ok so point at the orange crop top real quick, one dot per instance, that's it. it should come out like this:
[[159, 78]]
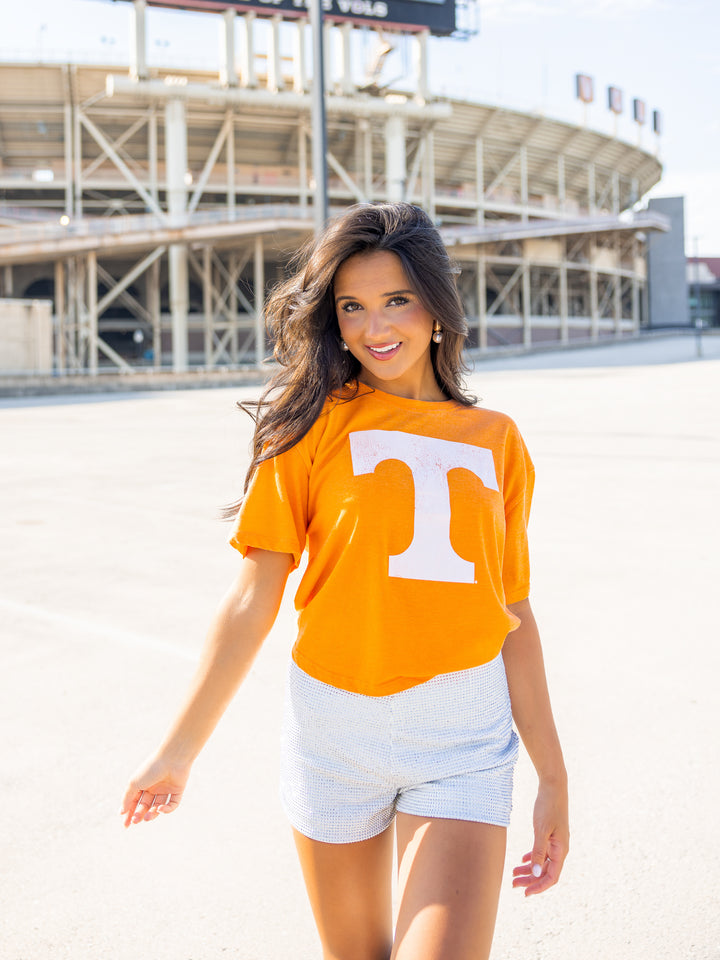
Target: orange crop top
[[414, 515]]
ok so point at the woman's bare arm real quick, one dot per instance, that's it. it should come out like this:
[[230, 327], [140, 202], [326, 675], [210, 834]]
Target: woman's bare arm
[[242, 621], [525, 669]]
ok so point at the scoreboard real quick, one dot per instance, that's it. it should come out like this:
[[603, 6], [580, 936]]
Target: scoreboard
[[437, 16]]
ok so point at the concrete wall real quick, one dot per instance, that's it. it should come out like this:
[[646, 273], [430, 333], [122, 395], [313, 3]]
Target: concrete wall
[[667, 283], [26, 336]]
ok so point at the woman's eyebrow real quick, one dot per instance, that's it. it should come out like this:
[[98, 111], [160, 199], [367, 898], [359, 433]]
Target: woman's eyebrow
[[390, 293]]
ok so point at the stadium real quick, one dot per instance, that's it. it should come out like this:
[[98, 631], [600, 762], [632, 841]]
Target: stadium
[[144, 214]]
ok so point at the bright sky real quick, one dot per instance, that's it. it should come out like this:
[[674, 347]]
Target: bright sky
[[525, 56]]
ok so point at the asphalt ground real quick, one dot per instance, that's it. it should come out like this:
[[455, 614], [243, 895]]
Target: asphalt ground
[[112, 560]]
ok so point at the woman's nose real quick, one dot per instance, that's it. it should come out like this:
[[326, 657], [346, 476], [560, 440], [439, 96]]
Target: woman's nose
[[376, 323]]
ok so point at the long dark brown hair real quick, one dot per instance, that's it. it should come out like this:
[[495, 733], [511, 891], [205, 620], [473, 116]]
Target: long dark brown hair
[[300, 316]]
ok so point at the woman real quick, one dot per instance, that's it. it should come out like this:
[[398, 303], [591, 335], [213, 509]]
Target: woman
[[416, 645]]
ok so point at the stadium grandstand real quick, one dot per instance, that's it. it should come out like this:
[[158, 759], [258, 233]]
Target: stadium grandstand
[[150, 209]]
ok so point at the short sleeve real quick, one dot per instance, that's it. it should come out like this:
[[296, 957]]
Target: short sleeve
[[518, 491], [274, 511]]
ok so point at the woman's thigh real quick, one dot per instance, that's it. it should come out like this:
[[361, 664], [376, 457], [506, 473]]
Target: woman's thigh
[[450, 873], [350, 890]]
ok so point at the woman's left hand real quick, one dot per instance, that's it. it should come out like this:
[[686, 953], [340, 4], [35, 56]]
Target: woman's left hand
[[541, 868]]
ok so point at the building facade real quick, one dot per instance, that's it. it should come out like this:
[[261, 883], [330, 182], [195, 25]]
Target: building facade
[[154, 208]]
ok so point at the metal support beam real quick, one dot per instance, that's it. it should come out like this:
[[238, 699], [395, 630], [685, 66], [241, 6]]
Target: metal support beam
[[102, 140], [210, 162], [153, 155], [304, 187], [130, 277], [60, 317], [77, 162], [230, 161], [395, 158], [319, 125], [92, 312], [176, 168], [152, 288], [564, 330], [480, 180], [415, 172], [346, 178], [259, 284], [208, 313], [482, 303], [429, 173], [68, 153], [526, 301]]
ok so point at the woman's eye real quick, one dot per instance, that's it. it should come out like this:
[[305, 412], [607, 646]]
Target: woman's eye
[[350, 307], [397, 301]]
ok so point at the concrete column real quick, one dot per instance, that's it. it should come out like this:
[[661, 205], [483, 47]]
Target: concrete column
[[303, 165], [429, 174], [395, 158], [138, 44], [259, 284], [233, 306], [594, 314], [247, 55], [561, 181], [592, 195], [616, 192], [60, 319], [526, 303], [207, 304], [365, 127], [617, 304], [153, 155], [327, 54], [68, 149], [152, 296], [230, 164], [77, 161], [524, 183], [482, 299], [420, 64], [274, 61], [347, 87], [564, 327], [176, 167], [480, 180], [300, 80], [228, 71], [91, 286], [7, 280]]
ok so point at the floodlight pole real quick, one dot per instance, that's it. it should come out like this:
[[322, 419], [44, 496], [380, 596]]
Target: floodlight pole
[[319, 127]]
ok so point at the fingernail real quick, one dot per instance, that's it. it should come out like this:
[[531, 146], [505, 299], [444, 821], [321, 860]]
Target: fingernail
[[537, 870]]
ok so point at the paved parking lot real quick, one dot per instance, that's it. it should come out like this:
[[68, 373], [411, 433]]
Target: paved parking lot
[[112, 559]]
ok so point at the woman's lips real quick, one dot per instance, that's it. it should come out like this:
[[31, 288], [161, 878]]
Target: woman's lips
[[383, 351]]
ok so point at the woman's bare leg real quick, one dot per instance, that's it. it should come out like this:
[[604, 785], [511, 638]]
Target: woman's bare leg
[[350, 891], [449, 873]]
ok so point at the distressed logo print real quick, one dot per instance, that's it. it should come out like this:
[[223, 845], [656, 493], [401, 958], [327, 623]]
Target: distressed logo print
[[430, 556]]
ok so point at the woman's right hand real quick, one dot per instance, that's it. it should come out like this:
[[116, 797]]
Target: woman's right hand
[[157, 787]]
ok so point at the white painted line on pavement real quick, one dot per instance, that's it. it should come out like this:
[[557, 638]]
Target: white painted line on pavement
[[98, 630]]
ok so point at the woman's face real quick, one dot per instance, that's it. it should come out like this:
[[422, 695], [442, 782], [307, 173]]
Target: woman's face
[[385, 326]]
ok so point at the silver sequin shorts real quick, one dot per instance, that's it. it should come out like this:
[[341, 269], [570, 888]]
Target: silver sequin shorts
[[443, 748]]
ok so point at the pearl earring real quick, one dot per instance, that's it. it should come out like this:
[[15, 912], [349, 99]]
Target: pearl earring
[[343, 345], [437, 333]]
